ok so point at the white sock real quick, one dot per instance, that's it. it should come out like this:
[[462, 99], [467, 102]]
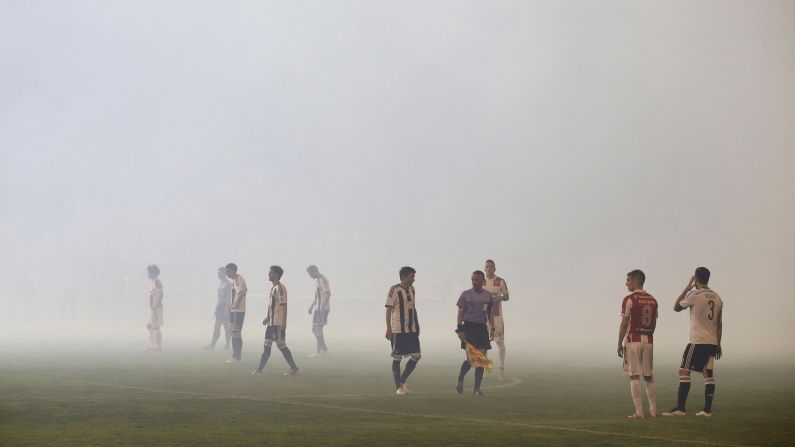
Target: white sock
[[651, 393], [637, 398]]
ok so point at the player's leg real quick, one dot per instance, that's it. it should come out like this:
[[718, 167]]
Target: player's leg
[[158, 339], [499, 338], [237, 336], [316, 334], [227, 323], [478, 379], [637, 397], [216, 334], [634, 351], [397, 356], [288, 356], [709, 388], [410, 365], [321, 336], [396, 370], [266, 354], [684, 381], [647, 364], [151, 331]]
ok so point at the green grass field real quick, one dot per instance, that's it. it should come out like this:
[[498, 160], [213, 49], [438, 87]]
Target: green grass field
[[193, 398]]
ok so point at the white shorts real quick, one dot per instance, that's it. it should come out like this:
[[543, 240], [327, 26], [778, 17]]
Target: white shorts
[[499, 329], [638, 359]]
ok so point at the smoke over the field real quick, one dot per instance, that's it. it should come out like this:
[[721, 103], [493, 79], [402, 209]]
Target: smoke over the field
[[569, 141]]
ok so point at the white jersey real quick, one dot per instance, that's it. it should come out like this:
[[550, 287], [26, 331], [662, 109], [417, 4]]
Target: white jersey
[[322, 294], [705, 311], [497, 288]]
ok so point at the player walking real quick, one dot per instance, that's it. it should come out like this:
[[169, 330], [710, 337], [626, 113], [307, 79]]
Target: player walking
[[276, 323], [403, 328], [321, 307]]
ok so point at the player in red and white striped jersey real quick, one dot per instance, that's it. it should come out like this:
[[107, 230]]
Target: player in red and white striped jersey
[[636, 341]]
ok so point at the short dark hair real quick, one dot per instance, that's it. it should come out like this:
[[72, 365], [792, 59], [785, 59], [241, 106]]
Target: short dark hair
[[492, 262], [479, 272], [312, 268], [406, 271], [277, 270], [639, 275], [702, 275], [232, 266], [153, 269]]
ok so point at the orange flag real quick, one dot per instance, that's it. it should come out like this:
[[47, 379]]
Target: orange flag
[[477, 358]]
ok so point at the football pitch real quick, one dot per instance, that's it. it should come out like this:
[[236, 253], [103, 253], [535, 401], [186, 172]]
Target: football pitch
[[193, 398]]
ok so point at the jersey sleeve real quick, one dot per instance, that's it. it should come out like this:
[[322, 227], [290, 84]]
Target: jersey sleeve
[[391, 298], [461, 301], [626, 307], [687, 301], [281, 294]]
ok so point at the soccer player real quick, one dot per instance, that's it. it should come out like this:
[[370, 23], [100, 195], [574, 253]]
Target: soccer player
[[321, 307], [237, 311], [706, 330], [276, 323], [222, 311], [403, 328], [499, 293], [474, 311], [635, 341], [155, 309]]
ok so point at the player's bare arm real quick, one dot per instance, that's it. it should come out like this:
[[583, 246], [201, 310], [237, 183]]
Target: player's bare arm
[[388, 323], [459, 323], [491, 326], [622, 332], [324, 300], [719, 350], [678, 306], [158, 294]]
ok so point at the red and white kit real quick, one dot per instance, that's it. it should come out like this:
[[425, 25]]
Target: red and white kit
[[641, 308]]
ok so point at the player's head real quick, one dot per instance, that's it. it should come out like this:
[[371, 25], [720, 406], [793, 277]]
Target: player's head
[[635, 280], [275, 273], [702, 276], [478, 279], [152, 271], [490, 267], [407, 275], [231, 270], [221, 272], [314, 273]]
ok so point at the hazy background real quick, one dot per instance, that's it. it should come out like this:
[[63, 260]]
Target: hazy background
[[570, 141]]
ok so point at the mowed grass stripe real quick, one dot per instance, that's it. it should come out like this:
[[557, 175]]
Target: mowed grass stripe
[[414, 415]]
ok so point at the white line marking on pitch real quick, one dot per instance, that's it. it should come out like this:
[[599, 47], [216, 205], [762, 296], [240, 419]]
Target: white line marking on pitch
[[420, 415]]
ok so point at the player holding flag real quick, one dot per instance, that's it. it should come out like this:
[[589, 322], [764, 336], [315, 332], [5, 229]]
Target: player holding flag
[[474, 311]]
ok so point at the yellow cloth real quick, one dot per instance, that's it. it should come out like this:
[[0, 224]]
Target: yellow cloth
[[477, 358]]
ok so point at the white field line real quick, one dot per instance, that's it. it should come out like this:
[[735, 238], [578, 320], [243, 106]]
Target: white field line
[[420, 415]]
